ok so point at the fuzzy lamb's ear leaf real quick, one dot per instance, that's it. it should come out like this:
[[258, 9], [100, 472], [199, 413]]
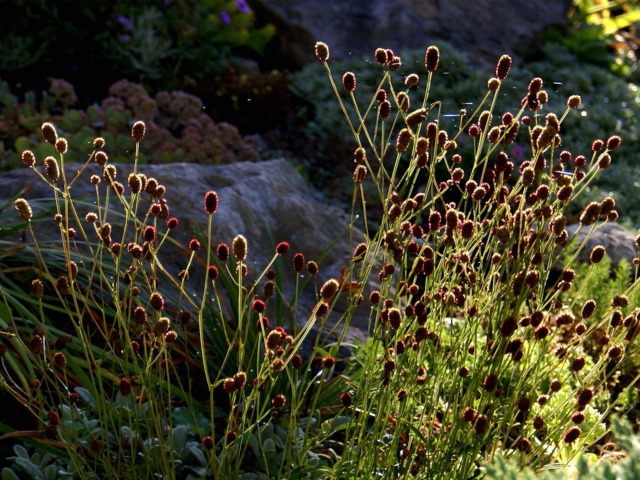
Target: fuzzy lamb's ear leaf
[[29, 467], [21, 452]]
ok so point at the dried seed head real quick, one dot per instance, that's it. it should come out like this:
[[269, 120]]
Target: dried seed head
[[239, 247], [431, 58], [574, 101], [322, 51], [23, 208], [98, 143], [49, 133], [349, 82], [61, 145], [51, 169], [162, 326], [138, 131], [329, 289], [564, 194]]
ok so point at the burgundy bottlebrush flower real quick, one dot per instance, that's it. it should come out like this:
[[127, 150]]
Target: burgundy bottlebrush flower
[[395, 318], [381, 56], [140, 315], [259, 306], [481, 425], [156, 301], [172, 223], [585, 396], [23, 208], [239, 247], [59, 360], [329, 289], [279, 401], [49, 133], [346, 400], [321, 309], [572, 435], [384, 109], [431, 58], [125, 387], [212, 272], [194, 245], [578, 418], [149, 234], [490, 383], [274, 339], [98, 143], [508, 327], [240, 379], [574, 101], [171, 336], [328, 362], [322, 51], [298, 262], [349, 82], [613, 142], [538, 422], [312, 268], [222, 251], [138, 131], [282, 248], [597, 254], [469, 415], [597, 145], [51, 169], [412, 80], [503, 67], [61, 145], [28, 158], [416, 117], [207, 442], [493, 84], [296, 361], [229, 385], [211, 202]]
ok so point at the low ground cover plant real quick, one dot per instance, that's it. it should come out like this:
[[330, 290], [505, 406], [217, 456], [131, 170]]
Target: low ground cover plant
[[479, 350]]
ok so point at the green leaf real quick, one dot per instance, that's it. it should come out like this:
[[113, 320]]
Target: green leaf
[[32, 469], [8, 474], [179, 438]]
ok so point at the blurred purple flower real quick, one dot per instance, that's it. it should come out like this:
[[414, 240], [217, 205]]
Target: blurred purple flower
[[224, 16], [167, 2], [125, 22], [242, 6], [125, 38], [518, 151]]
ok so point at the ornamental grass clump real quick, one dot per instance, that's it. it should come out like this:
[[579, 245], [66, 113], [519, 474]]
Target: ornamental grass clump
[[477, 348]]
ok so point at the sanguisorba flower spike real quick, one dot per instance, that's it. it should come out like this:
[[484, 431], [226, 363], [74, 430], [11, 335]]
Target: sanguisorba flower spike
[[24, 210], [322, 51], [138, 131]]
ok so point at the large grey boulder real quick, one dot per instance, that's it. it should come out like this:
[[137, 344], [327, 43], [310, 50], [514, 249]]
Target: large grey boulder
[[267, 202], [485, 29]]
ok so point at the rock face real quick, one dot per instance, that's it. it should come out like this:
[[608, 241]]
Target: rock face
[[485, 29], [619, 242], [267, 202]]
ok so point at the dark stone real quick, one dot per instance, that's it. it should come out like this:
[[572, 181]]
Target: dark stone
[[485, 29]]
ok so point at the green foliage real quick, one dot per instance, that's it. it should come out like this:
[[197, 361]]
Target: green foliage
[[151, 41], [616, 465]]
